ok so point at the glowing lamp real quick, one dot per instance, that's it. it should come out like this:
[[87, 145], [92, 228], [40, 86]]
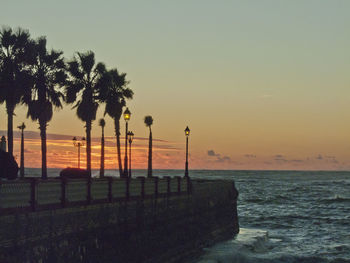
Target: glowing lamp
[[130, 136], [187, 131], [127, 114]]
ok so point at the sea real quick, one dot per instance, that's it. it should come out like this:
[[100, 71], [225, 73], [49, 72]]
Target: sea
[[284, 216]]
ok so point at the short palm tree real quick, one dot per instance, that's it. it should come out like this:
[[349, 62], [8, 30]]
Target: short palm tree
[[115, 95], [13, 62], [149, 122], [48, 75], [86, 79], [102, 124]]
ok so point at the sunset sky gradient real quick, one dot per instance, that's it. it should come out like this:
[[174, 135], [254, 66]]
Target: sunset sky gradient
[[261, 84]]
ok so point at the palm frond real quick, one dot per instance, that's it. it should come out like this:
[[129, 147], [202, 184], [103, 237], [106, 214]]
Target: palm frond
[[73, 69], [87, 61], [7, 37], [148, 120], [100, 68], [72, 89], [41, 46]]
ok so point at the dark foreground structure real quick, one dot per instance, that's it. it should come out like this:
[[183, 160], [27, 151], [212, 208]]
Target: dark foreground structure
[[113, 220]]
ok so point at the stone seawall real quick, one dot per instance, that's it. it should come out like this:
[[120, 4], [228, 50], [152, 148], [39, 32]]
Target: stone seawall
[[149, 228]]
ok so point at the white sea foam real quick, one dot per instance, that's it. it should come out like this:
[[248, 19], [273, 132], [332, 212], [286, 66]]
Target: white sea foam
[[241, 249]]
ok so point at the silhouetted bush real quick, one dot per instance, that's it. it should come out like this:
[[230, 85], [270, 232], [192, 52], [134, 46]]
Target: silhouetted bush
[[8, 166], [74, 173]]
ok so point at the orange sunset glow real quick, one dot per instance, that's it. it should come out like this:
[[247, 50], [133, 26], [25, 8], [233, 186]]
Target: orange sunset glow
[[62, 154]]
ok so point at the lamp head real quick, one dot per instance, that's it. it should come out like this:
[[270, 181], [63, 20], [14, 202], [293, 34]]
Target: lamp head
[[130, 136], [22, 126], [187, 131], [127, 114]]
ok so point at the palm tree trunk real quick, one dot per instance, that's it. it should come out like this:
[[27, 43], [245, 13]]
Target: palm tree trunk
[[42, 127], [88, 147], [22, 154], [117, 134], [150, 153], [10, 111], [102, 167]]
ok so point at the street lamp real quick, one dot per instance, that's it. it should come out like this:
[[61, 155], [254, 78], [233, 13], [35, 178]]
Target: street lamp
[[187, 133], [131, 136], [127, 115], [22, 127], [78, 144]]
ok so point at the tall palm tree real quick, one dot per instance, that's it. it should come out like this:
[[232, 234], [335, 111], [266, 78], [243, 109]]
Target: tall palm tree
[[102, 124], [115, 94], [13, 80], [86, 79], [48, 74], [149, 122]]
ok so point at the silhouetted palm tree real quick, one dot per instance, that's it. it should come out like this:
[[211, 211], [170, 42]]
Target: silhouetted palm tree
[[48, 74], [102, 124], [114, 95], [14, 78], [149, 122], [86, 79]]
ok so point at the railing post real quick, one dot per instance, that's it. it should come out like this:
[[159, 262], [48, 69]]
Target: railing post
[[168, 185], [178, 184], [189, 187], [156, 187], [33, 183], [88, 197], [63, 192], [127, 190], [110, 196], [142, 187]]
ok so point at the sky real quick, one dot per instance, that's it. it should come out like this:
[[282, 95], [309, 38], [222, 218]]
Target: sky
[[262, 84]]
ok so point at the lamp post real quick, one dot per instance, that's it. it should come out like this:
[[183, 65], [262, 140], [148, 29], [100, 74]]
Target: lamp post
[[187, 133], [78, 144], [131, 136], [22, 127], [127, 115]]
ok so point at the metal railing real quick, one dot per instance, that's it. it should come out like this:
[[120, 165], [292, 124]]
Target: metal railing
[[35, 194]]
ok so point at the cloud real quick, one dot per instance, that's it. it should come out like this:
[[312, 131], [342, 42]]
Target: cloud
[[280, 158], [319, 157], [211, 153], [250, 155], [53, 136], [219, 159], [223, 159], [26, 150], [331, 159]]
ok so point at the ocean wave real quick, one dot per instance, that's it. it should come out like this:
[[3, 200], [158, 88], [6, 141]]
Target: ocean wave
[[251, 252], [276, 199], [335, 199], [246, 256]]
